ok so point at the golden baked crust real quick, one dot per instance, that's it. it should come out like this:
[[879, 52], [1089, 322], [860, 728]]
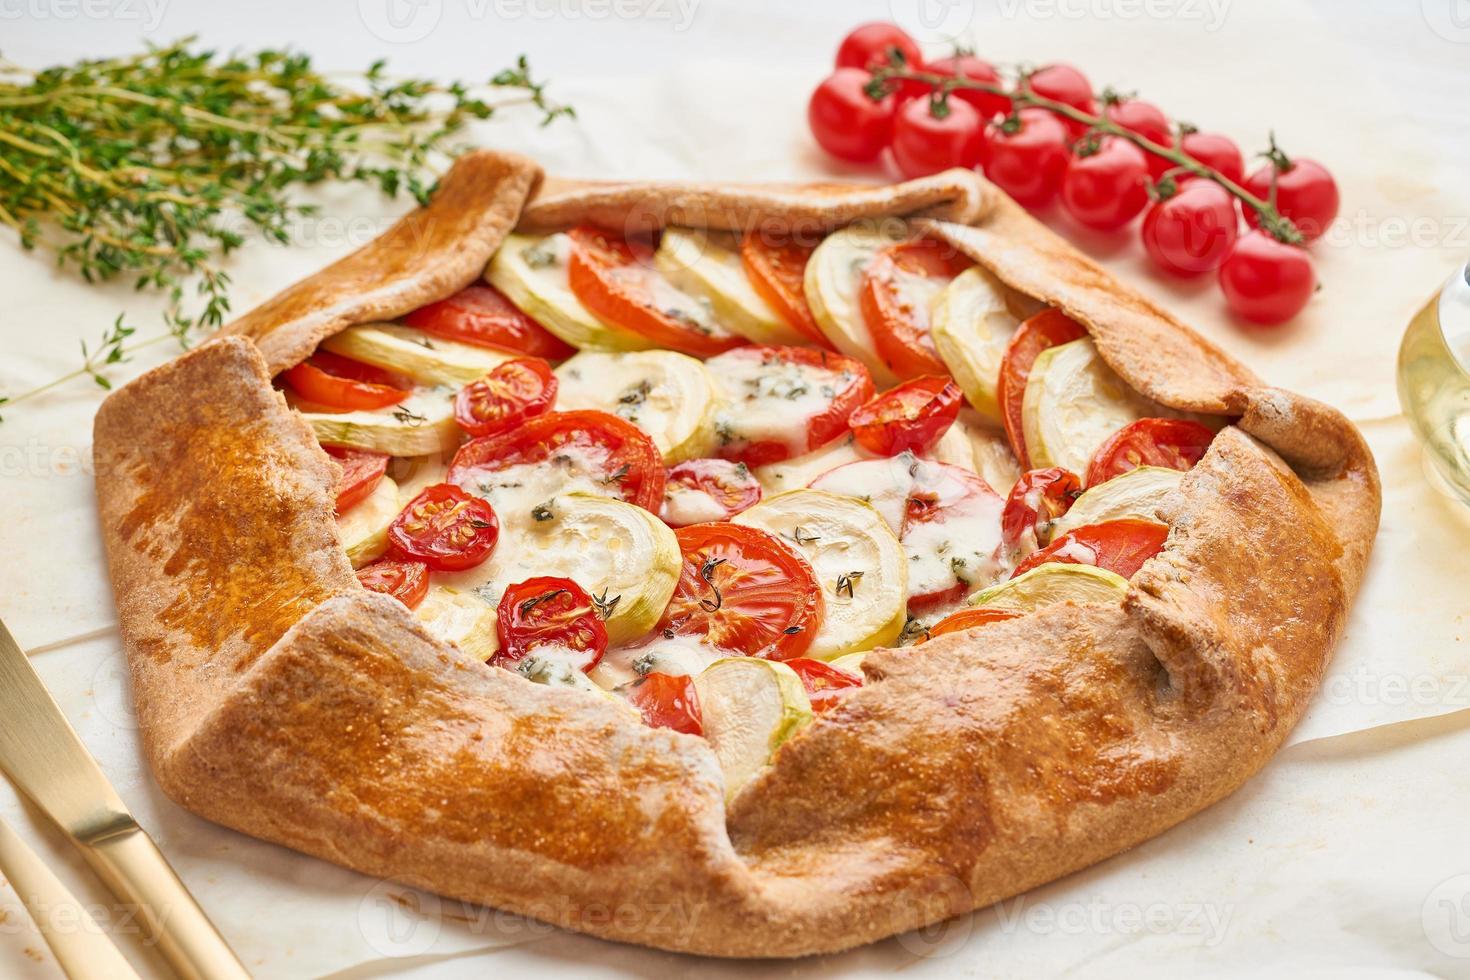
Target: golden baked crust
[[279, 698]]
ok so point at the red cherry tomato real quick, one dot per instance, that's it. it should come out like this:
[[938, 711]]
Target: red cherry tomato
[[911, 416], [667, 701], [445, 528], [1215, 151], [1025, 155], [1065, 84], [1266, 281], [1049, 328], [1173, 443], [744, 591], [925, 143], [511, 393], [846, 122], [1192, 231], [897, 286], [825, 685], [621, 456], [1148, 121], [1039, 497], [340, 384], [548, 611], [871, 46], [1305, 193], [406, 581], [1105, 188], [483, 316], [968, 619], [362, 471], [699, 491], [777, 271], [988, 104], [1118, 546]]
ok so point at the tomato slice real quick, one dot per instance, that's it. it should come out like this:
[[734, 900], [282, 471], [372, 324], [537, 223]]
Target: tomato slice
[[614, 277], [911, 416], [700, 491], [336, 383], [549, 611], [777, 271], [1118, 546], [825, 685], [632, 468], [1175, 443], [483, 316], [1049, 328], [406, 581], [511, 393], [362, 471], [445, 528], [667, 701], [968, 618], [745, 591], [1038, 496], [898, 286]]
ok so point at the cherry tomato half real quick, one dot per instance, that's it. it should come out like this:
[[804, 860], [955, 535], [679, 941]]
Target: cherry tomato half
[[1266, 281], [340, 384], [701, 491], [777, 271], [846, 121], [1118, 546], [614, 277], [511, 393], [967, 66], [1039, 497], [1025, 155], [549, 611], [745, 591], [871, 45], [911, 416], [1174, 443], [1148, 121], [897, 286], [483, 316], [1192, 231], [825, 685], [406, 581], [1105, 185], [1305, 193], [1065, 84], [667, 701], [968, 619], [1049, 328], [445, 528], [1214, 151], [929, 137], [362, 471]]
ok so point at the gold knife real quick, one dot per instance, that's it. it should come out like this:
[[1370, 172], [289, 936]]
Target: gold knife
[[47, 762], [83, 950]]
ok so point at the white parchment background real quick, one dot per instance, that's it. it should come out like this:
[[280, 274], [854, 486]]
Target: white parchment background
[[1346, 856]]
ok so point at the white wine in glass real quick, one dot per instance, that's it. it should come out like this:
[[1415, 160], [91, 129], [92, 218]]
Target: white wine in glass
[[1434, 381]]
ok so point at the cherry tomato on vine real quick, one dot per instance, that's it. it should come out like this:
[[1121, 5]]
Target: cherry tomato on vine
[[667, 701], [911, 416], [445, 528], [825, 685], [988, 104], [1025, 155], [1266, 281], [1305, 193], [362, 471], [549, 611], [929, 137], [846, 122], [1192, 231], [339, 384], [1214, 151], [511, 393], [1105, 183], [1173, 443], [1065, 84], [1118, 546], [406, 581], [871, 46], [969, 618], [1148, 121], [483, 316]]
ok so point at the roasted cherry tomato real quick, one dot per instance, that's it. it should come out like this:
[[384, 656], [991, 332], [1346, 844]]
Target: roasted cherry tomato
[[911, 416], [483, 316], [777, 271], [1266, 281], [1148, 121], [846, 121], [406, 581], [511, 393], [667, 701], [825, 685], [929, 137], [1214, 151], [968, 619], [744, 591], [871, 45], [340, 384], [1118, 546], [1105, 185], [701, 491], [1065, 84], [1049, 328], [362, 471], [1174, 443], [614, 277], [623, 453], [897, 287], [549, 611], [1039, 497], [445, 528], [1025, 155], [967, 66], [1305, 193], [1192, 231]]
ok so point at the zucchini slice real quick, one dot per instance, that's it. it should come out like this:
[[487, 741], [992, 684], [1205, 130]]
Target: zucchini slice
[[532, 273], [404, 350], [668, 395], [1073, 402], [707, 264], [420, 425], [971, 324], [794, 474], [1135, 494], [749, 707], [834, 278], [1051, 583], [460, 618], [363, 530]]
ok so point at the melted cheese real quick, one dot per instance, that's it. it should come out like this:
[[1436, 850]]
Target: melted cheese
[[770, 398]]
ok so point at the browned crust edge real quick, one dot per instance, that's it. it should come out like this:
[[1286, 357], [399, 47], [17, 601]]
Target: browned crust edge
[[277, 698]]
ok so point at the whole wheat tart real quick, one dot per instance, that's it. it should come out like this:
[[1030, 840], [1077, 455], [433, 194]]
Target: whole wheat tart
[[277, 697]]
